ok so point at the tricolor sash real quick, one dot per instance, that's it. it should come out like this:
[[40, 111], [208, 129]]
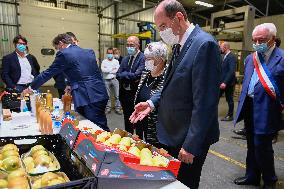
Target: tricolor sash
[[265, 78]]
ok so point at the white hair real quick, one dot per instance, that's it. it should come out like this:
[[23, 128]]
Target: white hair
[[156, 49], [268, 26]]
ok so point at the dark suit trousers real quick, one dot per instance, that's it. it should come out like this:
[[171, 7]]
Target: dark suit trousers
[[260, 154], [189, 174], [127, 103], [229, 94], [95, 112], [61, 92]]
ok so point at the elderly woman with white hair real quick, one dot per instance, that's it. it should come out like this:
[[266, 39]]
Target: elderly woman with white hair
[[260, 106], [150, 83]]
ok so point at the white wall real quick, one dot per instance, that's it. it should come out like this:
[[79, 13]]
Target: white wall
[[41, 24]]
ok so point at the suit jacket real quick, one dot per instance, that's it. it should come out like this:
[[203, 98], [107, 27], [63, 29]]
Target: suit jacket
[[132, 77], [60, 82], [80, 67], [188, 103], [11, 69], [228, 69], [267, 112]]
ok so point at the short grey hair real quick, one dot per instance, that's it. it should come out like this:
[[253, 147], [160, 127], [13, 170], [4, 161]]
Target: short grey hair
[[156, 50], [268, 26]]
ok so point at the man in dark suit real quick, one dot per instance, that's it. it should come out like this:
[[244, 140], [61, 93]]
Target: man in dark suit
[[87, 86], [18, 67], [128, 75], [260, 111], [228, 79], [60, 79], [188, 103]]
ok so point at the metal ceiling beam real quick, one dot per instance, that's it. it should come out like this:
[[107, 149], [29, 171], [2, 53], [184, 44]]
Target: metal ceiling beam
[[267, 8], [106, 7], [135, 12], [254, 7], [216, 5]]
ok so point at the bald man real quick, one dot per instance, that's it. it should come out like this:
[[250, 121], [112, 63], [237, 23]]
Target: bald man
[[228, 78], [128, 75], [188, 103]]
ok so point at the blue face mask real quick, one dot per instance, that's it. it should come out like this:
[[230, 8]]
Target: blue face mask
[[22, 48], [260, 48], [110, 56], [131, 50]]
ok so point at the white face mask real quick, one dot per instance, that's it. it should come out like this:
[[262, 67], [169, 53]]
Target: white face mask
[[169, 37], [149, 65]]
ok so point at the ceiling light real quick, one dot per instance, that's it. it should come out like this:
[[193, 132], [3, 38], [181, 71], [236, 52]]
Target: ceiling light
[[203, 4]]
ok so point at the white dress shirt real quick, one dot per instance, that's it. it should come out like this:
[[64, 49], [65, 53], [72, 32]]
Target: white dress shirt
[[109, 68], [186, 34], [26, 70]]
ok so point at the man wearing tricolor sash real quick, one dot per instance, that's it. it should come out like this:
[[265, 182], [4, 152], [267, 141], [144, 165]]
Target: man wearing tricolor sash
[[260, 105]]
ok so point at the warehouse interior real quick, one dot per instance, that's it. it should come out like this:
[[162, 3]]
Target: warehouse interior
[[101, 24]]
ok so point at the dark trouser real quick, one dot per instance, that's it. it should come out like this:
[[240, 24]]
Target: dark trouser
[[141, 128], [127, 103], [95, 112], [229, 94], [61, 92], [189, 174], [260, 154]]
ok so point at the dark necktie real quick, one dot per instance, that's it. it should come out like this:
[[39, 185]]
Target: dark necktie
[[171, 68], [130, 62]]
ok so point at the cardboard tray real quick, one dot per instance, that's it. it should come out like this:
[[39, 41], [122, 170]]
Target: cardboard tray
[[99, 157], [75, 169]]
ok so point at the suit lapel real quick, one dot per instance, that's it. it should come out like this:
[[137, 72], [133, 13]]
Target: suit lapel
[[249, 74], [16, 59], [184, 49], [136, 59], [274, 59]]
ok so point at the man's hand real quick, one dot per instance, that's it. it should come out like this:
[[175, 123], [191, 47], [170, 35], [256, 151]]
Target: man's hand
[[142, 109], [67, 89], [185, 157], [2, 94], [223, 86]]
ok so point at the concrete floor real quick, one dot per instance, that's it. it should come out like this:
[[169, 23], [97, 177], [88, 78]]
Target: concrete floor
[[226, 159]]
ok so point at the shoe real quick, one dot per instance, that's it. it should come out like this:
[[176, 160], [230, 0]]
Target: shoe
[[245, 181], [273, 186], [108, 111], [228, 118], [240, 132]]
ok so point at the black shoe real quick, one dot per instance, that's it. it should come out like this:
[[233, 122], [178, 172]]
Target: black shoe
[[240, 132], [273, 186], [245, 181], [228, 118]]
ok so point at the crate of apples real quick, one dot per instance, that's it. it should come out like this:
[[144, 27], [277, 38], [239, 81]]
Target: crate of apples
[[39, 160]]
